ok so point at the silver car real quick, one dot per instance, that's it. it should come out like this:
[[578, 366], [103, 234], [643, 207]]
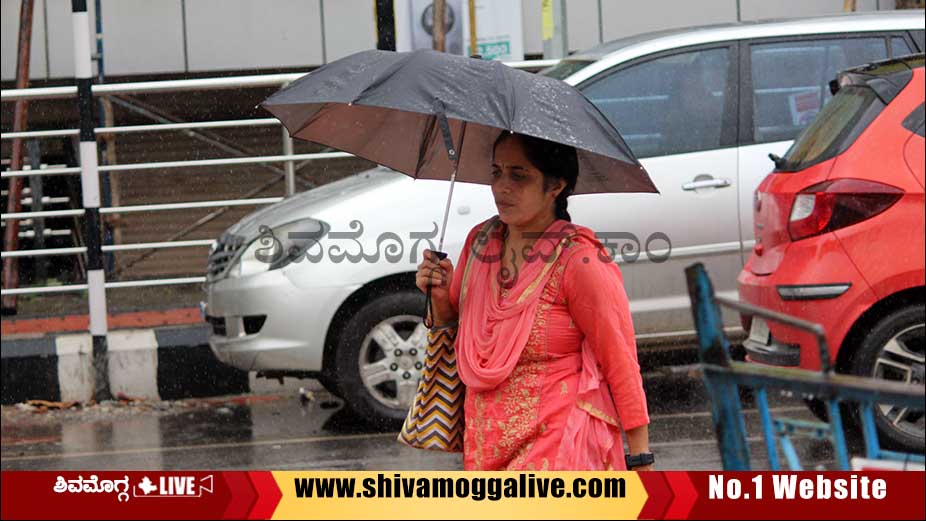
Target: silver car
[[322, 284]]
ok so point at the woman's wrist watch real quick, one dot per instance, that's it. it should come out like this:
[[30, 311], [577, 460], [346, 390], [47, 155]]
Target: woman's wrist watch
[[639, 460]]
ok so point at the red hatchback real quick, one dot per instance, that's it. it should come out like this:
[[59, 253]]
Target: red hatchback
[[839, 229]]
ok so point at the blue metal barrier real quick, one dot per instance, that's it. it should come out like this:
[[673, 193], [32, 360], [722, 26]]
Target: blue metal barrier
[[723, 378]]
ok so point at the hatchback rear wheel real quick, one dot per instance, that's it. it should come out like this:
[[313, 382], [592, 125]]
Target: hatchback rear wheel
[[895, 351]]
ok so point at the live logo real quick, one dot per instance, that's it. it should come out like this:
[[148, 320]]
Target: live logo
[[177, 486], [169, 486]]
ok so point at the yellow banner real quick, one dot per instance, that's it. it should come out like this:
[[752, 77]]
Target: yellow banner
[[459, 495], [546, 10]]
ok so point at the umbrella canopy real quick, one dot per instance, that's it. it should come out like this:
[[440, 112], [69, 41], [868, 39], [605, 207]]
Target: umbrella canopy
[[389, 107]]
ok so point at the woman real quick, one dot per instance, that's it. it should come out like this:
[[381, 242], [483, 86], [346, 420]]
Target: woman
[[544, 340]]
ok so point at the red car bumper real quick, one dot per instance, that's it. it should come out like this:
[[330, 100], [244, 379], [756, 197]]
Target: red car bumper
[[816, 281]]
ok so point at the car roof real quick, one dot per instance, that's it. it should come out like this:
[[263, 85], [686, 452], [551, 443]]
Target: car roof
[[880, 21], [847, 22], [615, 52]]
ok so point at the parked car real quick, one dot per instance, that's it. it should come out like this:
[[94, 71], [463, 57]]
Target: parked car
[[701, 107], [840, 239]]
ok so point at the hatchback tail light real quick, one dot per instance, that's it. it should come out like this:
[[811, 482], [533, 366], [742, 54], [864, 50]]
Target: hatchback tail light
[[832, 205]]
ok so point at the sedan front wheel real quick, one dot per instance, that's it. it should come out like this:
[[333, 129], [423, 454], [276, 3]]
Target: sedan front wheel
[[380, 356]]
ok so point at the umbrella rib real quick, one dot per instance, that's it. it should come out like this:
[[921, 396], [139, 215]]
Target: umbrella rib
[[426, 138], [500, 72], [382, 77], [318, 113]]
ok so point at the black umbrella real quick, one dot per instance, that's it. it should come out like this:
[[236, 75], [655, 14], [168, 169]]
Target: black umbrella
[[433, 115]]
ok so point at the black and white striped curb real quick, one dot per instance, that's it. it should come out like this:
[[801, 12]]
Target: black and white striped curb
[[162, 363]]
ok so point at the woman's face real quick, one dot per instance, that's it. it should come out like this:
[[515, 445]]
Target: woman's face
[[517, 186]]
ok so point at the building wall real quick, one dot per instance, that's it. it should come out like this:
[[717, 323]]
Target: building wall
[[244, 34], [180, 36]]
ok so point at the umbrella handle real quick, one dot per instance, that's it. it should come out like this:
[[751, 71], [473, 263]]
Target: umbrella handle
[[428, 311]]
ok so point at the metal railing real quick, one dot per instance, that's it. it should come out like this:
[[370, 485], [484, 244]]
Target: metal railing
[[230, 82], [288, 158], [129, 129], [179, 164], [723, 379]]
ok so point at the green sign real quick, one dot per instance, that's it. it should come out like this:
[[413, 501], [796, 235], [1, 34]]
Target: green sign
[[493, 50]]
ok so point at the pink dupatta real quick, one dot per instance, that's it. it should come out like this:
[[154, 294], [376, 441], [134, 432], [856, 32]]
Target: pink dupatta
[[493, 333]]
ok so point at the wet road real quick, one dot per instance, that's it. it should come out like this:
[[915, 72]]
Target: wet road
[[280, 432]]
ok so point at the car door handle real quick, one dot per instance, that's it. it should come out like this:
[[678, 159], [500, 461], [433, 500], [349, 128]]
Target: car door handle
[[706, 183]]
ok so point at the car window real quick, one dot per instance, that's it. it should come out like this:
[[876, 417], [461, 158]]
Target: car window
[[915, 120], [790, 80], [667, 105], [835, 129], [918, 37], [900, 47]]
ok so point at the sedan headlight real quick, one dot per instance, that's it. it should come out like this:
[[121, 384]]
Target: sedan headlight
[[276, 247]]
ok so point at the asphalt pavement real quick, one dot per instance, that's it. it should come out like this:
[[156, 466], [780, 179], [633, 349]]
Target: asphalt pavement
[[282, 431]]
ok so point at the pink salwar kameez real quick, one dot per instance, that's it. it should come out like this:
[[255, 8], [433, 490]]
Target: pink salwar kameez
[[549, 362]]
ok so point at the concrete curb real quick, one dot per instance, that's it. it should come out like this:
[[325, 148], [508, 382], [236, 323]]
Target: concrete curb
[[163, 363]]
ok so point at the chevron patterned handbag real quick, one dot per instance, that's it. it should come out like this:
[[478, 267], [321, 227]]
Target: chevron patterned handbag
[[435, 420]]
